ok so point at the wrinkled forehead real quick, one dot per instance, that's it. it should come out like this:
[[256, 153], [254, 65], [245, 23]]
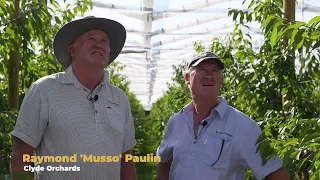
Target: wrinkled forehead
[[94, 33]]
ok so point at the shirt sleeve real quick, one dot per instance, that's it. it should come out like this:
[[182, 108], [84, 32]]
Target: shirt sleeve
[[253, 160], [165, 149], [32, 118], [129, 137]]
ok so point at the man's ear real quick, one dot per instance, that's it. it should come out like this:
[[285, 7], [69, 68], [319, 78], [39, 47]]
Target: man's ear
[[222, 80], [71, 50], [187, 78]]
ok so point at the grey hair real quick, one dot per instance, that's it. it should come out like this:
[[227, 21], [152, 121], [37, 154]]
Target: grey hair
[[188, 71]]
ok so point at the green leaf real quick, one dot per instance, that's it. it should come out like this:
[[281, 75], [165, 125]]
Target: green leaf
[[316, 145], [274, 34], [302, 161], [293, 36], [4, 8], [249, 17], [315, 35], [285, 32], [314, 21], [284, 91], [235, 15], [10, 31], [310, 137], [298, 40], [287, 159], [57, 20], [272, 74], [251, 4], [297, 25], [35, 13], [239, 54], [293, 141], [317, 157], [253, 101], [269, 26], [300, 44], [242, 15], [316, 45], [266, 22], [230, 12]]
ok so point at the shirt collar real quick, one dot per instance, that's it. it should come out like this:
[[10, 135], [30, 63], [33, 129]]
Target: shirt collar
[[70, 78], [221, 108]]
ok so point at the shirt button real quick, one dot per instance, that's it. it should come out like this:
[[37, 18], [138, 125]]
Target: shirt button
[[96, 111], [194, 142]]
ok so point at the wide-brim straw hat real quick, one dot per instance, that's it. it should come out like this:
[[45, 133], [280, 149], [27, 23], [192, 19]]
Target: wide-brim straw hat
[[71, 31]]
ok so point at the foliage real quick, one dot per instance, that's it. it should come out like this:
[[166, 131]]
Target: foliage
[[27, 29], [171, 102], [34, 29], [143, 132], [6, 126], [287, 94]]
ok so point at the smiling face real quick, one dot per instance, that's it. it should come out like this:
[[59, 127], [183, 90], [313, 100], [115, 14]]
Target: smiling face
[[91, 49], [205, 80]]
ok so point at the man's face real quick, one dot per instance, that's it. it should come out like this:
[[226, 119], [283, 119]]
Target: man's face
[[205, 80], [91, 49]]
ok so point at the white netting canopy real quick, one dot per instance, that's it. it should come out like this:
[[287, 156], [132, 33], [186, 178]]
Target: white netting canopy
[[160, 33]]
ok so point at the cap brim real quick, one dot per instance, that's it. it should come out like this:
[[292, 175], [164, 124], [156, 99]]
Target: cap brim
[[197, 62], [68, 34]]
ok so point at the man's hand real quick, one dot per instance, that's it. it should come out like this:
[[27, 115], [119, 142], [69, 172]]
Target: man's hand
[[16, 163], [128, 171], [280, 174], [163, 170]]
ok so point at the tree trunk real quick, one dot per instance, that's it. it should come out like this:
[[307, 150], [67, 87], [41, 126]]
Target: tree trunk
[[14, 63], [289, 7], [289, 16], [289, 10]]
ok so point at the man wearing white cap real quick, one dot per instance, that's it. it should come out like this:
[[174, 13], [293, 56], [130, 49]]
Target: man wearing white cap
[[78, 113]]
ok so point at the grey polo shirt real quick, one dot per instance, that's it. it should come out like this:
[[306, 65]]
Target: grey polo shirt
[[228, 131], [57, 119]]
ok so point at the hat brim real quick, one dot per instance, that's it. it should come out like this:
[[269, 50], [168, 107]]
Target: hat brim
[[217, 60], [71, 31]]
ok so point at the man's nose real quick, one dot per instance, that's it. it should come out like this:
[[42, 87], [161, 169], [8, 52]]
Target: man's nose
[[100, 44], [208, 75]]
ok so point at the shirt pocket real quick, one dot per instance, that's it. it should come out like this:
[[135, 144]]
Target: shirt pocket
[[115, 120], [217, 152]]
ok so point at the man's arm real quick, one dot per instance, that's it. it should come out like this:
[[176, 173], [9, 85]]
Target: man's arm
[[280, 174], [16, 163], [163, 170], [128, 171]]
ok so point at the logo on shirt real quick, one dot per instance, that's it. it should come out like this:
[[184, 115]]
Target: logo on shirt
[[219, 132]]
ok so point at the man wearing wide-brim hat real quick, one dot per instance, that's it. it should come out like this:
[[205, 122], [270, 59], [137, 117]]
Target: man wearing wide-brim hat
[[77, 117]]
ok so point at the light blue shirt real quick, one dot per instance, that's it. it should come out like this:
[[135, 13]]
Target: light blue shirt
[[199, 158]]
